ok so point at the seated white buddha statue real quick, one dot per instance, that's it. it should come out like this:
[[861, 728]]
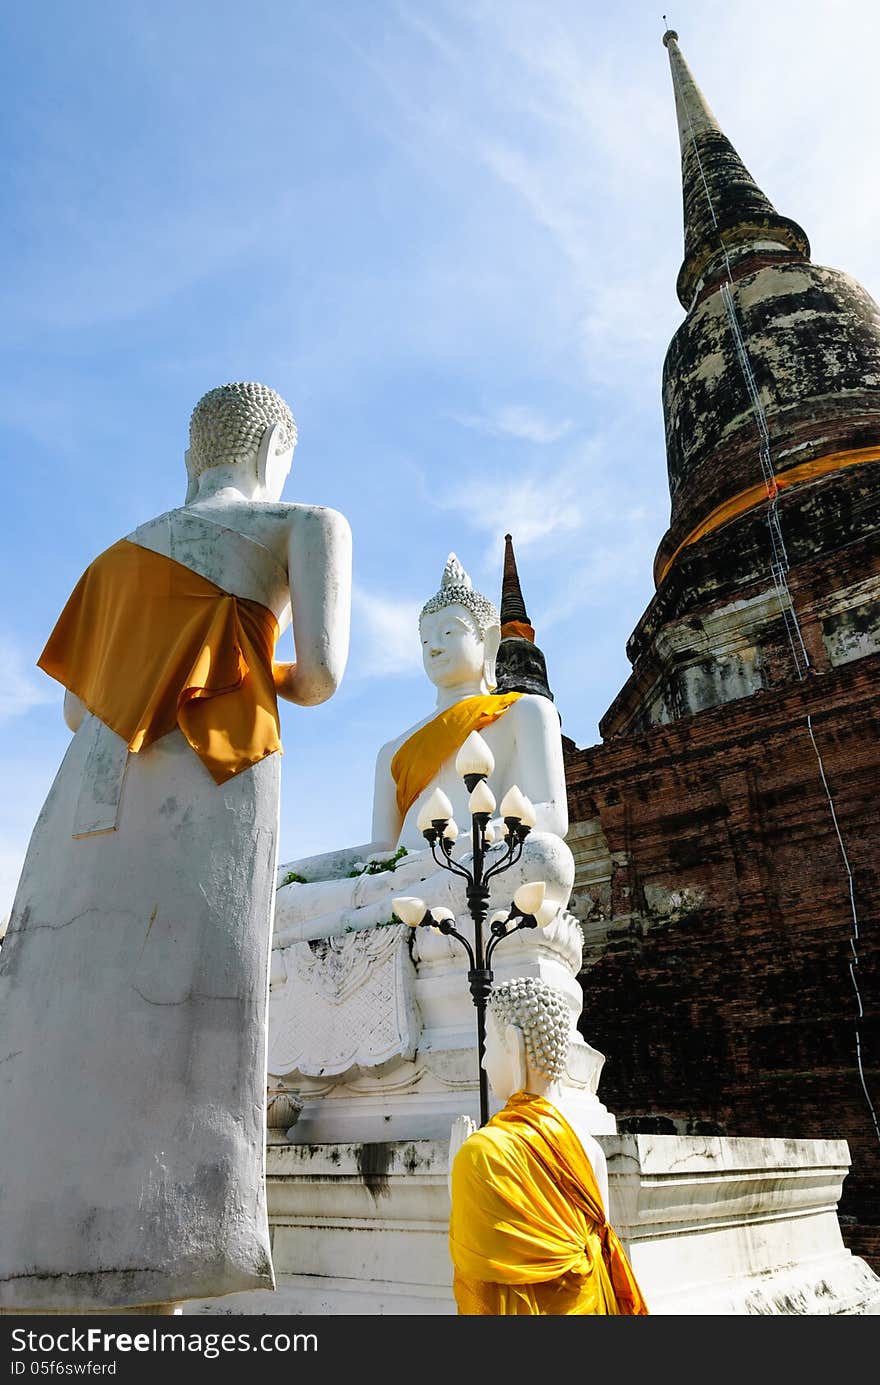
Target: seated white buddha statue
[[371, 1022], [460, 633]]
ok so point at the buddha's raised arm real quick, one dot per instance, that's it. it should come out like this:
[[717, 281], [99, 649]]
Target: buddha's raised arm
[[319, 571]]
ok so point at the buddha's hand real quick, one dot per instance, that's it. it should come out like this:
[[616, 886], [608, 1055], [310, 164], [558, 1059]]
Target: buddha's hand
[[414, 866], [462, 1128], [281, 673]]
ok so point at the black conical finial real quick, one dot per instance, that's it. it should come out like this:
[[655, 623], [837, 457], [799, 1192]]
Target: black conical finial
[[513, 607], [520, 666]]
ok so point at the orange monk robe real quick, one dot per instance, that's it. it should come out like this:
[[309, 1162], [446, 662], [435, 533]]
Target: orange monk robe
[[147, 644], [528, 1233], [418, 760]]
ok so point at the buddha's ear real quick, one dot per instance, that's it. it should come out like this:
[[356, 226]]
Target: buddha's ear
[[515, 1042], [270, 444], [490, 646]]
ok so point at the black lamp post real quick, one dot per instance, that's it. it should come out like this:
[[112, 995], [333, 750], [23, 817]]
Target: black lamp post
[[475, 764]]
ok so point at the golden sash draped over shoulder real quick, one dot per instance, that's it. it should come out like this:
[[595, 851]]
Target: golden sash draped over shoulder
[[528, 1233], [417, 761], [147, 644]]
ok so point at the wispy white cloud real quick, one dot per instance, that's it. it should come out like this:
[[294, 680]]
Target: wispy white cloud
[[20, 689], [584, 525], [571, 493], [523, 106], [574, 120], [531, 180], [387, 633], [531, 507], [611, 560], [517, 421], [416, 21]]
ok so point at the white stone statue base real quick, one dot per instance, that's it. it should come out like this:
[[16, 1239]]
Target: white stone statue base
[[711, 1226], [376, 1032]]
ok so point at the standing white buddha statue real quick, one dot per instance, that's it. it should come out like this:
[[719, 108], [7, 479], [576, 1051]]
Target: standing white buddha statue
[[133, 975], [363, 1009]]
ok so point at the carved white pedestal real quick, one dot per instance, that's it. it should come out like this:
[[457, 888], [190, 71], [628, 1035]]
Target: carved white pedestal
[[712, 1227], [376, 1031]]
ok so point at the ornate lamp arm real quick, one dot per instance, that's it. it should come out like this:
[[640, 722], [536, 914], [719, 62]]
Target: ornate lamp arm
[[434, 839], [444, 926], [514, 850], [501, 930]]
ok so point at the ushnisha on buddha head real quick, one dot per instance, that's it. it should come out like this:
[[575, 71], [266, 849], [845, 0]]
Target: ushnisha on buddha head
[[241, 427], [460, 631]]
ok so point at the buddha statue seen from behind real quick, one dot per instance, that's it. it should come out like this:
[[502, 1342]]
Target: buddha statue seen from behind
[[133, 975]]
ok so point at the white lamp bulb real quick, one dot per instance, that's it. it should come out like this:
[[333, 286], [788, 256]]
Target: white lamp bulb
[[409, 910], [482, 800], [514, 803], [474, 757], [438, 806], [450, 831], [529, 898], [547, 912]]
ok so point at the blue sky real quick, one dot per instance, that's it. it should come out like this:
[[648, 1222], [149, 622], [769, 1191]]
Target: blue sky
[[448, 233]]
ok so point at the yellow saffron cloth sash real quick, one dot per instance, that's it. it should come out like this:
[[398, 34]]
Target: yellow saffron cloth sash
[[147, 644], [764, 491], [527, 1230], [518, 630], [417, 761]]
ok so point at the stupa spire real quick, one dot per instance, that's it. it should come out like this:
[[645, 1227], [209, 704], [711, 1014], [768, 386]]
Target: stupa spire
[[728, 221], [770, 389], [514, 617], [520, 666]]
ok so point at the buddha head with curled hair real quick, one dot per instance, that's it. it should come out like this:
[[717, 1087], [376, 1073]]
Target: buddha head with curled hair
[[229, 423], [460, 631], [543, 1015]]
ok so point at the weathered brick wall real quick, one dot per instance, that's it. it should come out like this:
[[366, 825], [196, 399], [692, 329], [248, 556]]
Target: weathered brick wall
[[717, 920]]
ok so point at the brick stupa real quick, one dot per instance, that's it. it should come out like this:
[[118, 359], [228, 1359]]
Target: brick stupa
[[712, 886]]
